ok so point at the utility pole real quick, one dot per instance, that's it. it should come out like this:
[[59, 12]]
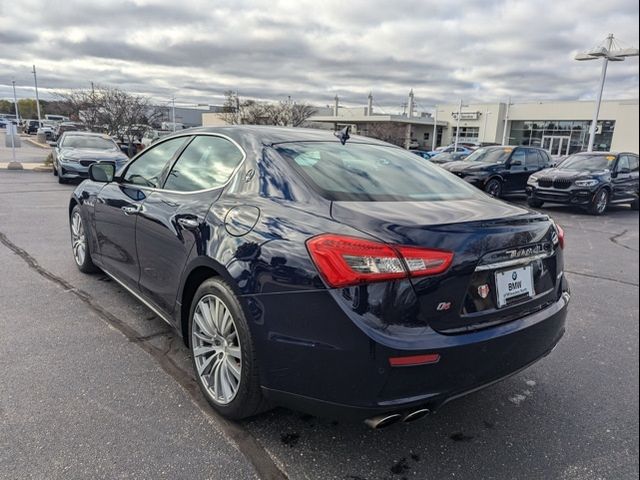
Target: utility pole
[[506, 123], [35, 81], [238, 114], [455, 147]]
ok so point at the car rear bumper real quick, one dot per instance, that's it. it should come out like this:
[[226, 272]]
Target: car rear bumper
[[568, 197], [352, 378]]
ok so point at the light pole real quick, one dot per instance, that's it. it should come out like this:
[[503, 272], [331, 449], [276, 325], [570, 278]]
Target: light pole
[[506, 122], [15, 101], [607, 53], [35, 81], [455, 146], [173, 112], [484, 127]]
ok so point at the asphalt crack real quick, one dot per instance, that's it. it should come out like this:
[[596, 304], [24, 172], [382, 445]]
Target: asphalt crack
[[239, 437], [600, 277], [615, 238]]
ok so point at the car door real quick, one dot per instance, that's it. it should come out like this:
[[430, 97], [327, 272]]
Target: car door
[[172, 220], [624, 179], [117, 207], [516, 174]]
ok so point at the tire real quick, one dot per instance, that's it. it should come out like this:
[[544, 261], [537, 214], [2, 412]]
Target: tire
[[534, 202], [61, 179], [80, 242], [599, 202], [213, 363], [493, 187]]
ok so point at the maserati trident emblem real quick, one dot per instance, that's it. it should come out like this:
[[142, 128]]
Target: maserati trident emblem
[[483, 291]]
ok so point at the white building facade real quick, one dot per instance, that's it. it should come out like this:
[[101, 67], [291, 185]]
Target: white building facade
[[561, 127]]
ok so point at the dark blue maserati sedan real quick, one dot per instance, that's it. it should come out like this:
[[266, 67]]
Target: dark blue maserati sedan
[[339, 276]]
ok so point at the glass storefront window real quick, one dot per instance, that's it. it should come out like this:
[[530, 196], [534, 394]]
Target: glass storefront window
[[532, 132]]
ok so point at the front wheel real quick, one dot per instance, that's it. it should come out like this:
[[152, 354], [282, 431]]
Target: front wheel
[[223, 353], [599, 203], [80, 243], [493, 187]]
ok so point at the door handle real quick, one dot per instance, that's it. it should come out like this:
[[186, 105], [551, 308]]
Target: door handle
[[130, 210], [189, 223]]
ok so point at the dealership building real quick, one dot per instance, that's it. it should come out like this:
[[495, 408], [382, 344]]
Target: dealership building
[[561, 127]]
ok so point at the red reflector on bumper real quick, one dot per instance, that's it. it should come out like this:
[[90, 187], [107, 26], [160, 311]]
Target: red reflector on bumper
[[414, 360]]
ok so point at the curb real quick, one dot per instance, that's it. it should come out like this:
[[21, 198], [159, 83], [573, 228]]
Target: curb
[[35, 144], [29, 167]]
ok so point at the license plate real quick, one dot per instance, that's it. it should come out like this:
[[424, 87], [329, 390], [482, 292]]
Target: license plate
[[514, 283]]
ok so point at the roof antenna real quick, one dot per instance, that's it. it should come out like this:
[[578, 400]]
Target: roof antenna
[[343, 134]]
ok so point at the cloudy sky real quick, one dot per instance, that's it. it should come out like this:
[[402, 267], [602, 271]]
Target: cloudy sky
[[478, 50]]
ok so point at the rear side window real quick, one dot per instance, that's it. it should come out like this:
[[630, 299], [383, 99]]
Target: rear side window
[[207, 162], [533, 158], [147, 169], [362, 172]]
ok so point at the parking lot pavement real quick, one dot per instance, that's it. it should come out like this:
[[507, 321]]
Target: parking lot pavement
[[27, 153], [76, 379]]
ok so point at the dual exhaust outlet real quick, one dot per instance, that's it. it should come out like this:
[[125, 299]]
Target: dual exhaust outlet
[[381, 421]]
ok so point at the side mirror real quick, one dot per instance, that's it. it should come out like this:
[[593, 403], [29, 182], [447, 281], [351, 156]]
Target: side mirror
[[53, 144], [102, 172]]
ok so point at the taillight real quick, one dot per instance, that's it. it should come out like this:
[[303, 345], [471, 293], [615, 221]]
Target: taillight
[[344, 261], [560, 236]]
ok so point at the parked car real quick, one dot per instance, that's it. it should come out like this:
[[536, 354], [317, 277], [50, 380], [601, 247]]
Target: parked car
[[320, 276], [421, 153], [593, 180], [452, 149], [501, 171], [442, 158], [76, 151], [60, 128], [152, 136], [48, 130], [31, 126]]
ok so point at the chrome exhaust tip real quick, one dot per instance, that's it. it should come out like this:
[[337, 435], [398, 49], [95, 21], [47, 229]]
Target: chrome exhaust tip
[[416, 415], [382, 421]]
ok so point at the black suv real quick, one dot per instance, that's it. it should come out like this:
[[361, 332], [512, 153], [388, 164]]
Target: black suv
[[501, 170], [593, 180]]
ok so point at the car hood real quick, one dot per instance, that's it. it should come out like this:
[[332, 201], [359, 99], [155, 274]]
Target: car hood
[[92, 154], [465, 166], [559, 173]]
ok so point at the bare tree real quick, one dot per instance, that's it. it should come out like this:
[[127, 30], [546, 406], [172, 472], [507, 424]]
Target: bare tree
[[388, 132], [251, 112], [113, 111]]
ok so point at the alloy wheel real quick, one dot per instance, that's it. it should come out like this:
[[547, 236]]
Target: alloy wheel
[[78, 239], [216, 349], [601, 203]]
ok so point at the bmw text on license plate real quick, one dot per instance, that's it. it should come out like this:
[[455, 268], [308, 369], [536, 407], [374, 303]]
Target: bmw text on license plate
[[512, 284]]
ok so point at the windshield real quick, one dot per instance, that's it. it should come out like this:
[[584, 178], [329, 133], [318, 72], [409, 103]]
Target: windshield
[[361, 172], [592, 163], [86, 141], [490, 155]]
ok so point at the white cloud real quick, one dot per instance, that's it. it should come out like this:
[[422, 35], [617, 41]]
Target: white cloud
[[312, 50]]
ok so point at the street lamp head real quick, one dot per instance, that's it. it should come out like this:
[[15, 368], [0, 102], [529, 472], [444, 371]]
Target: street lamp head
[[626, 52], [584, 56], [598, 52]]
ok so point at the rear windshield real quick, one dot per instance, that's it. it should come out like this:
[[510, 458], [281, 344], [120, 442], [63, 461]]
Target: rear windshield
[[362, 172], [490, 155], [592, 163], [86, 141]]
